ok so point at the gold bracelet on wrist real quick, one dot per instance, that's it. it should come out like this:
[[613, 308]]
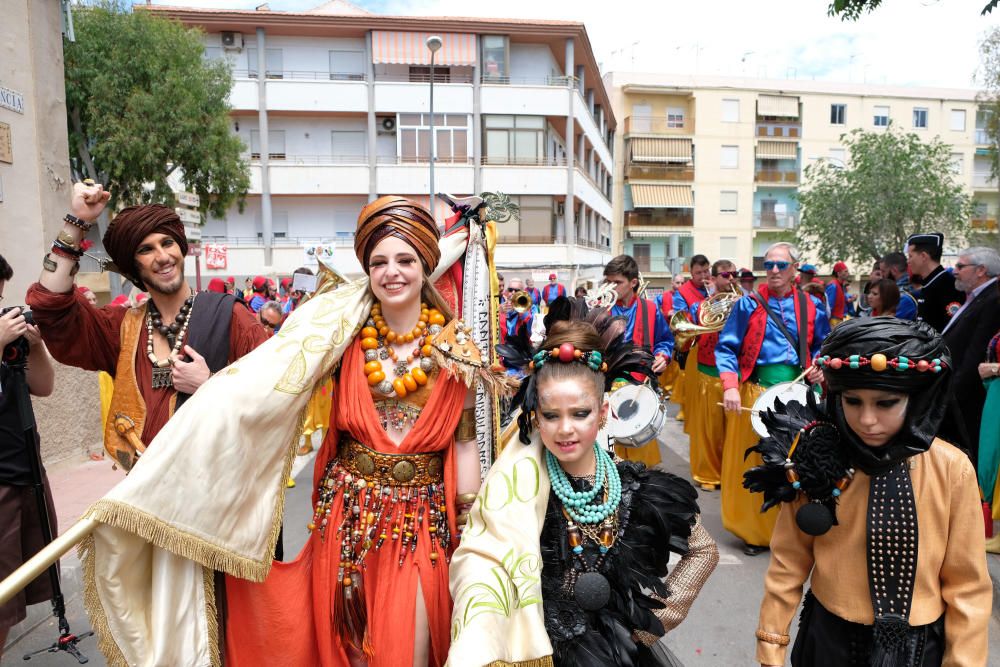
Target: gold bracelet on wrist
[[68, 239], [466, 429], [465, 498], [772, 637]]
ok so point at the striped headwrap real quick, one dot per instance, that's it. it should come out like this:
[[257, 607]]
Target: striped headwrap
[[400, 217]]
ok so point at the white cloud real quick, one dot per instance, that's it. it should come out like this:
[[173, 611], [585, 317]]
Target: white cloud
[[905, 42]]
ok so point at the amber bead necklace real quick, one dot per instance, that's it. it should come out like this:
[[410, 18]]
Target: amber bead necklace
[[377, 340]]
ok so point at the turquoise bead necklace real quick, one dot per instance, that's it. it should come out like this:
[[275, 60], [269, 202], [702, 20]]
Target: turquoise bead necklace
[[580, 506]]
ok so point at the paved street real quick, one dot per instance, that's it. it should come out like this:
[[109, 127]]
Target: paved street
[[718, 632]]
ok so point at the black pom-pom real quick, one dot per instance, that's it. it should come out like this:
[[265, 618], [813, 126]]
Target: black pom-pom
[[592, 591], [814, 519]]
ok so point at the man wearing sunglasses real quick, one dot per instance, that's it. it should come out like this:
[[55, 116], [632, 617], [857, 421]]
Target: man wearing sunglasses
[[769, 337], [706, 423], [687, 298]]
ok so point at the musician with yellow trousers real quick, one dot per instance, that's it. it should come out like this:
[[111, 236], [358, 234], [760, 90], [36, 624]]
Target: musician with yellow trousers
[[687, 298], [769, 337], [645, 327], [706, 420]]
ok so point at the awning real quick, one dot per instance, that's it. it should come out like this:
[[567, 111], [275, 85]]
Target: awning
[[778, 106], [409, 48], [776, 150], [660, 149], [650, 195]]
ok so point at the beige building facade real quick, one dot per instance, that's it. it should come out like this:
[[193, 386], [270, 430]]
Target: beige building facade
[[712, 165]]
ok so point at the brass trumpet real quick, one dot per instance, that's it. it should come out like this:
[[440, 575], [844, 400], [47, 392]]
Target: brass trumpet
[[522, 302], [712, 313]]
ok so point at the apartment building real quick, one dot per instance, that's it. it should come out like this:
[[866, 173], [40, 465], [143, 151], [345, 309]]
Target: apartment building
[[712, 165], [333, 105]]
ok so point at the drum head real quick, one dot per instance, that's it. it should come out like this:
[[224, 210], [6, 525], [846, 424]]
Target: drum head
[[786, 391], [634, 412]]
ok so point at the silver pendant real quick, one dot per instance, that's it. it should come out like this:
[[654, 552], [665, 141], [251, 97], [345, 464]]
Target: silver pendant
[[371, 355], [401, 369], [383, 353], [426, 364], [386, 388], [163, 377], [435, 329]]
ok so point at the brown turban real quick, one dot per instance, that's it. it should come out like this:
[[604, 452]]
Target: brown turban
[[131, 226], [402, 218]]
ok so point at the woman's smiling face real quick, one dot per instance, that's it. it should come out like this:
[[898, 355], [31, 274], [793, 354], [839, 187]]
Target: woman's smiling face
[[396, 271]]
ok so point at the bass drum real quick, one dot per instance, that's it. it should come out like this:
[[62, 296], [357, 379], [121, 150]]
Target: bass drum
[[786, 391], [636, 415]]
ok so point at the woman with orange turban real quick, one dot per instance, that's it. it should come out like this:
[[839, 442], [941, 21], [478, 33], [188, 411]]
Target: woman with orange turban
[[396, 468]]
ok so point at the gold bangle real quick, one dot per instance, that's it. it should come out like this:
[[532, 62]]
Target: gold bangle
[[465, 498], [466, 429], [68, 239], [772, 637], [462, 519]]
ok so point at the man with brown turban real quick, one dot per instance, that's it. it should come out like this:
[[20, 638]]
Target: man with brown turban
[[159, 352]]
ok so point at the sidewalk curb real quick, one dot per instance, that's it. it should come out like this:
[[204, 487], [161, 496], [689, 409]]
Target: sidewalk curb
[[993, 565]]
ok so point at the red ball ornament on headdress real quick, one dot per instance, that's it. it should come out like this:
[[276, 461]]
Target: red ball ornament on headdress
[[566, 352], [835, 363]]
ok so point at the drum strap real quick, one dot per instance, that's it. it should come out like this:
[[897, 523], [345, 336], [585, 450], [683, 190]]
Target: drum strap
[[802, 320]]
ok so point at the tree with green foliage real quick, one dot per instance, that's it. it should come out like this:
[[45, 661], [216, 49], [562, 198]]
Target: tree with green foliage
[[894, 185], [143, 103], [988, 77], [851, 10]]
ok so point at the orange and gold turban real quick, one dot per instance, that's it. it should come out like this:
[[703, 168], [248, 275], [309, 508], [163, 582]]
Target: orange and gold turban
[[392, 215]]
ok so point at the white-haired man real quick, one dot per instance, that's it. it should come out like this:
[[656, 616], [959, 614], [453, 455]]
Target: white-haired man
[[770, 336]]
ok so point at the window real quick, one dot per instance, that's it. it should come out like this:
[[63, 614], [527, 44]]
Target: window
[[730, 157], [957, 120], [640, 252], [730, 111], [414, 137], [212, 53], [642, 118], [838, 157], [349, 144], [275, 144], [279, 225], [838, 114], [881, 116], [273, 63], [957, 163], [727, 201], [920, 118], [347, 65], [514, 139], [675, 117], [727, 247], [495, 58]]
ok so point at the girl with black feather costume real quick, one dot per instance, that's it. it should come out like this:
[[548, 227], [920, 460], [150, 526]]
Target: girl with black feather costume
[[583, 547], [881, 516]]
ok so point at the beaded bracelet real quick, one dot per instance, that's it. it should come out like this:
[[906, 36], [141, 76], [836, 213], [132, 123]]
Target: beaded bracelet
[[77, 222], [75, 253], [879, 362]]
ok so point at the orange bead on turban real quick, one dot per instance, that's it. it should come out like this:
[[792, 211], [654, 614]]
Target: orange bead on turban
[[400, 217], [131, 226]]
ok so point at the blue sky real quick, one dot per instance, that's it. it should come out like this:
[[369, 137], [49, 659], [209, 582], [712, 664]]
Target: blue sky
[[906, 42]]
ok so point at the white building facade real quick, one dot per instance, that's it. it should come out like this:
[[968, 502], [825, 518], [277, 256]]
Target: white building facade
[[341, 116]]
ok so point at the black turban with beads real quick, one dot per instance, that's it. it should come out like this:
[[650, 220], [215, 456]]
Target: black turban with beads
[[915, 345]]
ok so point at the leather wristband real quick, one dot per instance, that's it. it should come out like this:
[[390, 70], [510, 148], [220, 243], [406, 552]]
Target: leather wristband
[[49, 264], [772, 637], [66, 250], [77, 222]]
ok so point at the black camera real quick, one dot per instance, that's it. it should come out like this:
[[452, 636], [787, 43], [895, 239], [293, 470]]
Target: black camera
[[16, 352]]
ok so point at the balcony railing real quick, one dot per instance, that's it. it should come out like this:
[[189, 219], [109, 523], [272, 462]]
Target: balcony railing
[[775, 220], [776, 176], [791, 130], [657, 125], [340, 239], [985, 223], [660, 172], [512, 161], [982, 179], [312, 159], [302, 75], [665, 217], [554, 81], [440, 77], [537, 239]]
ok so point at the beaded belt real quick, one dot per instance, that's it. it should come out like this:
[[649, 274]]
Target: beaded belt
[[390, 469]]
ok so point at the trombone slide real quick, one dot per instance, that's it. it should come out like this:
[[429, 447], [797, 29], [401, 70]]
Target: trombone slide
[[41, 561]]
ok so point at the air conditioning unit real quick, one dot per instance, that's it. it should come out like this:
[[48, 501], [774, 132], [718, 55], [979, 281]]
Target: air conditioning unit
[[387, 125], [560, 208], [232, 40]]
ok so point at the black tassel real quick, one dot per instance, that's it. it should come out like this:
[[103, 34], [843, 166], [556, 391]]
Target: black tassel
[[891, 645]]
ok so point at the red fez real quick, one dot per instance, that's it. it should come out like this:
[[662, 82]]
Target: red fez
[[258, 283], [839, 266], [216, 285], [552, 276]]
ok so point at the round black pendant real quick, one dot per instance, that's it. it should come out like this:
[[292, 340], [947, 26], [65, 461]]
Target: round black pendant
[[592, 591], [814, 519]]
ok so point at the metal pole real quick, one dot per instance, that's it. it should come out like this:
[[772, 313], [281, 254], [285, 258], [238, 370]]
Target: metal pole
[[430, 202]]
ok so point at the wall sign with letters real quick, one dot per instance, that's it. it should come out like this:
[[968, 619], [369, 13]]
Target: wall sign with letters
[[10, 99]]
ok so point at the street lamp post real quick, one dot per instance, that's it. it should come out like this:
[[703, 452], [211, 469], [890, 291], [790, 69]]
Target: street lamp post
[[433, 44]]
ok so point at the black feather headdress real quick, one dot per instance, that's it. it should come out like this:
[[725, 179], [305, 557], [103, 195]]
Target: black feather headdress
[[802, 453]]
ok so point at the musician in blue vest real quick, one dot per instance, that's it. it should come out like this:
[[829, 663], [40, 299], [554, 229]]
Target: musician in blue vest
[[553, 290], [513, 321], [688, 298], [535, 294], [645, 327]]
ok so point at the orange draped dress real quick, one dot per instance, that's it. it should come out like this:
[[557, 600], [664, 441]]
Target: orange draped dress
[[288, 619]]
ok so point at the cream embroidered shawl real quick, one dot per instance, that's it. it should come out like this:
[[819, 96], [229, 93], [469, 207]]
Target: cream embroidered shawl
[[208, 494], [495, 574]]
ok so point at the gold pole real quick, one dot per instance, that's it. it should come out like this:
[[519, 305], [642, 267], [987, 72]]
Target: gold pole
[[41, 561]]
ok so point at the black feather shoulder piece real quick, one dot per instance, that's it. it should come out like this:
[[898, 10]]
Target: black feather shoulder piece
[[802, 454]]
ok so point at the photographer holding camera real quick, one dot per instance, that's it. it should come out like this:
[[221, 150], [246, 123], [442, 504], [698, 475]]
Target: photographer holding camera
[[20, 523]]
